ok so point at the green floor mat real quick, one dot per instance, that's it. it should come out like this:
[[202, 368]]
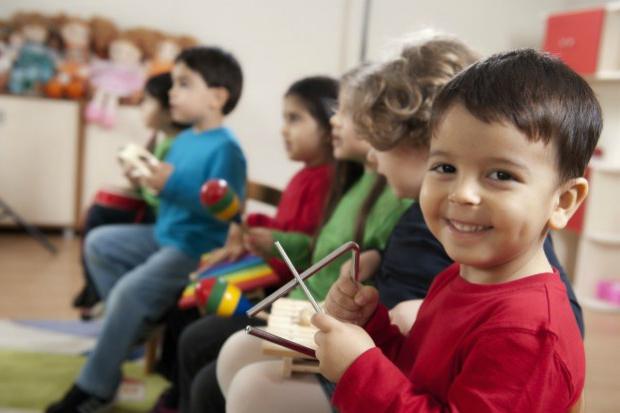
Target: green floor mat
[[34, 380]]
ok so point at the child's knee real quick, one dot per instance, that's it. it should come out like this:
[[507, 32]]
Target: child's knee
[[94, 242]]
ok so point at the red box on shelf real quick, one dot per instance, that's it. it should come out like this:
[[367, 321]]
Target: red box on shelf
[[576, 37]]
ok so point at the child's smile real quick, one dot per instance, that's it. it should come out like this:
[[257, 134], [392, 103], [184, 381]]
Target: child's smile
[[488, 194]]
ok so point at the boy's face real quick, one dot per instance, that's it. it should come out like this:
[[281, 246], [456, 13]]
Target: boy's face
[[347, 145], [488, 193], [191, 99], [403, 166]]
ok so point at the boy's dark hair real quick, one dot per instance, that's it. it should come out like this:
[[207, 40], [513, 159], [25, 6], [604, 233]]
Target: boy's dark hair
[[218, 68], [319, 94], [536, 93], [158, 87]]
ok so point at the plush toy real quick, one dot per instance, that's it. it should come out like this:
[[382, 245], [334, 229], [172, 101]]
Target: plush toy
[[6, 56], [70, 81], [166, 50], [121, 76], [103, 32], [35, 62]]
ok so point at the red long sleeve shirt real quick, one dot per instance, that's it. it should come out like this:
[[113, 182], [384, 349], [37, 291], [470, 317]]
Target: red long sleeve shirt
[[510, 347], [300, 209]]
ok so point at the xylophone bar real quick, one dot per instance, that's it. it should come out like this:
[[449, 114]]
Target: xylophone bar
[[349, 246]]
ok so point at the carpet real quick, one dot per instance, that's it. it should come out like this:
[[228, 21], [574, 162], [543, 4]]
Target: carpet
[[31, 380], [40, 359]]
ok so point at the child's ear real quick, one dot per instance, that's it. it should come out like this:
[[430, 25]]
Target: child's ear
[[570, 195], [221, 96]]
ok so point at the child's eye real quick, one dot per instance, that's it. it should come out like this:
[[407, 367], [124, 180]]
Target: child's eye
[[444, 168], [501, 176]]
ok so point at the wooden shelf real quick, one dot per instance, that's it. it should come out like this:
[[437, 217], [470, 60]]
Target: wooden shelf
[[603, 166], [604, 76], [599, 305], [602, 238]]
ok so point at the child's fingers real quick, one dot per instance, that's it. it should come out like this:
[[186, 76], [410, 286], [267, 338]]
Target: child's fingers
[[366, 295], [347, 286], [319, 339], [323, 322], [342, 313]]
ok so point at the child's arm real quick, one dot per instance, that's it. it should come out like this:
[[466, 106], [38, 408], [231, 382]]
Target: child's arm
[[297, 246], [502, 371], [256, 219], [226, 163]]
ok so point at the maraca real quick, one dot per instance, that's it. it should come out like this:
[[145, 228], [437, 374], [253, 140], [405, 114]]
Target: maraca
[[220, 199]]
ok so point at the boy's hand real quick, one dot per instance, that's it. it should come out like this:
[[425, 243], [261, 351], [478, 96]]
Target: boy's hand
[[159, 176], [369, 264], [259, 241], [232, 250], [350, 301], [339, 344], [131, 176]]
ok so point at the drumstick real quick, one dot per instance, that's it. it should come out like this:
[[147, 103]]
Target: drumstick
[[297, 277], [322, 263], [257, 332]]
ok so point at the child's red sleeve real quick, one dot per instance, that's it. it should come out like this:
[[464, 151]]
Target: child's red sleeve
[[503, 371], [257, 219], [385, 335]]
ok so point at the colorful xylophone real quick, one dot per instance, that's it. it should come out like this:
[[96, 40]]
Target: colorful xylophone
[[248, 273]]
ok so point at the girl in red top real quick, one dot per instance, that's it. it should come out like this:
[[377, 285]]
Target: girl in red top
[[307, 108], [306, 130]]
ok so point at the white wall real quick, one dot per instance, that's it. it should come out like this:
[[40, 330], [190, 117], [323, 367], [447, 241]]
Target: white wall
[[487, 25], [279, 41]]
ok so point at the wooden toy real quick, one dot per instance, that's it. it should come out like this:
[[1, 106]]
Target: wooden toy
[[220, 199], [138, 158], [288, 320], [609, 290], [291, 333]]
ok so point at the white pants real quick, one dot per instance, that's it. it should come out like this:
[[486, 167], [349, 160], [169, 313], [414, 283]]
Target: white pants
[[252, 382]]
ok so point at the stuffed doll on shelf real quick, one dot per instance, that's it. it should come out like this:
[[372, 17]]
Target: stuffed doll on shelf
[[70, 80], [121, 76], [165, 50], [35, 62]]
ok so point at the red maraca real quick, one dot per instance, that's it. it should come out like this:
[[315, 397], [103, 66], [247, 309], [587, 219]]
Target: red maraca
[[220, 199]]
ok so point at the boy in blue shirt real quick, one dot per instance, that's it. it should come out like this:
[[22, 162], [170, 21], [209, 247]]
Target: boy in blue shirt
[[140, 269]]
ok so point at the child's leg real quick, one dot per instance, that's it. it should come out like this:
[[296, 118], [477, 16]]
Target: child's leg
[[137, 300], [113, 250], [239, 351], [96, 216], [199, 346], [260, 387]]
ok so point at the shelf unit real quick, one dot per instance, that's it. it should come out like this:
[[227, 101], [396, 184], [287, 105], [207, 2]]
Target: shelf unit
[[52, 162], [588, 40], [599, 246]]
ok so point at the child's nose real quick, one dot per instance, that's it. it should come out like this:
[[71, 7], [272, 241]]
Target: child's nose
[[465, 191]]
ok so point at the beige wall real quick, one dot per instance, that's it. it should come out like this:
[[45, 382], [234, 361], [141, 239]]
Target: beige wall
[[279, 41]]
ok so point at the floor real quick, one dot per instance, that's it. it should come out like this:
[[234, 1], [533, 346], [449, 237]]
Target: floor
[[36, 285]]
